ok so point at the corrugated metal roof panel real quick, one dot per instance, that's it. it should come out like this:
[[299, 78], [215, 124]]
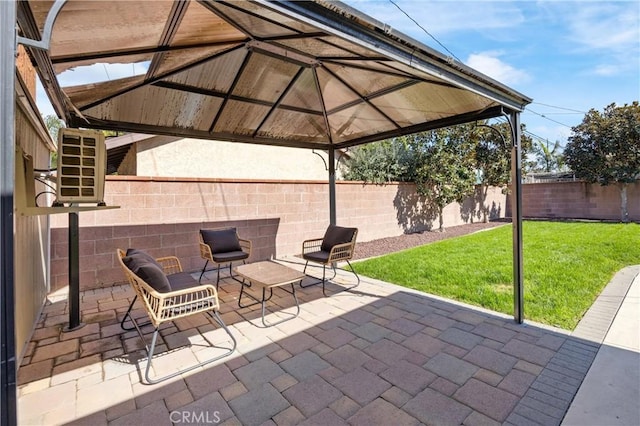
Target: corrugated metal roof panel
[[233, 69]]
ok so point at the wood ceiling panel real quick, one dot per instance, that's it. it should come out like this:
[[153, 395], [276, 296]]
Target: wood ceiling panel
[[106, 26], [299, 126], [265, 78], [255, 26], [412, 105], [156, 106], [200, 26], [363, 81], [358, 121], [304, 93], [90, 93], [217, 74], [175, 59], [242, 118], [334, 92]]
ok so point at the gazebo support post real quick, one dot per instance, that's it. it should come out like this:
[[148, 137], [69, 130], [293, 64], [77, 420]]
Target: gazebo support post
[[332, 186], [516, 217], [8, 397]]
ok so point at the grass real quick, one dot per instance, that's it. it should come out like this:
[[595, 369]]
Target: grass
[[566, 266]]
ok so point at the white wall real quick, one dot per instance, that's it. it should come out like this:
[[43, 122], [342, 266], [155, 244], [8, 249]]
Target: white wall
[[172, 157]]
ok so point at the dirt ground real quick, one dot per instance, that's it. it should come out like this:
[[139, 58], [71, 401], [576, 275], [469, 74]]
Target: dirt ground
[[392, 244]]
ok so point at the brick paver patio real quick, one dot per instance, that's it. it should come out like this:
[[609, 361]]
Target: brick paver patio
[[380, 354]]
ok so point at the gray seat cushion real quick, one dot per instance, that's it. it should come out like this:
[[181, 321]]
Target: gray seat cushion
[[231, 256], [181, 281], [336, 235], [154, 276], [317, 256], [141, 255], [221, 240], [146, 267]]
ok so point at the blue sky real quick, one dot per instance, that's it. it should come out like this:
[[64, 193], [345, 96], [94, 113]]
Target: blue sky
[[575, 55], [569, 56]]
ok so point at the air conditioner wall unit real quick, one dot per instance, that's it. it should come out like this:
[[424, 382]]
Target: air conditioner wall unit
[[82, 162]]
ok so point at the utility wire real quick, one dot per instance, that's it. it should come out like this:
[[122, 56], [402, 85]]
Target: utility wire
[[424, 29], [571, 111], [550, 119], [557, 107]]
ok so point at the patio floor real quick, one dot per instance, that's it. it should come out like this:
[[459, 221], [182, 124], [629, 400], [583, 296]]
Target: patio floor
[[379, 354]]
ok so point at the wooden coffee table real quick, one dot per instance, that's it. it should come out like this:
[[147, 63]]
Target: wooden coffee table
[[268, 275]]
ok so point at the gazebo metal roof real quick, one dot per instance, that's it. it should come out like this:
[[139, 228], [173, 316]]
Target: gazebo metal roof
[[314, 74]]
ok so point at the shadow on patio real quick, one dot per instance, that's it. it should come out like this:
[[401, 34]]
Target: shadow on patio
[[379, 354]]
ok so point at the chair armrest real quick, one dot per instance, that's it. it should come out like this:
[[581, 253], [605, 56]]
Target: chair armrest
[[170, 264], [341, 252], [245, 245], [205, 251], [163, 307], [310, 246]]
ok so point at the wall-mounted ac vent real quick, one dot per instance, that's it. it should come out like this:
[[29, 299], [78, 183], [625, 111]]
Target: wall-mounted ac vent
[[81, 166]]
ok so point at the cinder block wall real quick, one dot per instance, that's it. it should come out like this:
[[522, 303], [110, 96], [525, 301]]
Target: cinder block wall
[[578, 200], [164, 215]]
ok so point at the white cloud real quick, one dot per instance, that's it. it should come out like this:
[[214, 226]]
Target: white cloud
[[489, 63], [609, 26], [607, 70], [607, 31]]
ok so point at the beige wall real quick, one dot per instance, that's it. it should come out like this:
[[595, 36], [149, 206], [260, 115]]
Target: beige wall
[[578, 200], [172, 157], [163, 216]]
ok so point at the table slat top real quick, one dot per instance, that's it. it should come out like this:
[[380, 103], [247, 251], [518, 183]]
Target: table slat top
[[269, 274]]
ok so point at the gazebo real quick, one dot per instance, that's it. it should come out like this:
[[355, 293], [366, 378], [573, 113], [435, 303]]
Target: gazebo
[[311, 74]]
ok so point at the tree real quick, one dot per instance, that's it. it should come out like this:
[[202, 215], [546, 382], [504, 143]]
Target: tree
[[444, 166], [548, 159], [473, 150], [493, 157], [379, 162], [605, 148], [54, 124]]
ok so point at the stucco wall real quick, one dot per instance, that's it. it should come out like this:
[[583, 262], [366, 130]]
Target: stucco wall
[[163, 216], [173, 157], [578, 200]]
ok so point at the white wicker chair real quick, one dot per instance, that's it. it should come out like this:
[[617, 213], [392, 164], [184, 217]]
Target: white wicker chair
[[189, 299]]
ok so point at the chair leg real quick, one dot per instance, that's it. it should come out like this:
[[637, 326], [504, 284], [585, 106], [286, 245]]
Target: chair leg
[[324, 277], [354, 273], [128, 314], [218, 279], [203, 269], [150, 350]]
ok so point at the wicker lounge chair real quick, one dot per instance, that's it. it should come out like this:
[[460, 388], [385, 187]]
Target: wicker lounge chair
[[337, 245], [167, 294], [220, 246]]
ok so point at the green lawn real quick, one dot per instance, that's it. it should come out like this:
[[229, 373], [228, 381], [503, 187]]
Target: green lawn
[[566, 265]]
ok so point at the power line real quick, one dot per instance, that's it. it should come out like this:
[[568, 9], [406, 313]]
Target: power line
[[557, 107], [539, 138], [424, 29], [550, 119]]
